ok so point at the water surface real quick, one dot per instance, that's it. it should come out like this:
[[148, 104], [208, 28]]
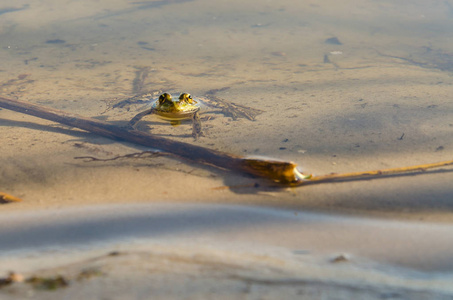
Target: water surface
[[344, 87]]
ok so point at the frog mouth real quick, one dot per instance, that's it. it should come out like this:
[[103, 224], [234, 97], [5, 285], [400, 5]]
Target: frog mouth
[[175, 116]]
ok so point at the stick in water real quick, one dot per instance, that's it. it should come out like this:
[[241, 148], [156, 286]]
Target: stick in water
[[282, 172], [279, 171], [6, 198]]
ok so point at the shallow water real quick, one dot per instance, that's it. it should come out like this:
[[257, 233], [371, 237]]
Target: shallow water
[[267, 245], [315, 237], [344, 87]]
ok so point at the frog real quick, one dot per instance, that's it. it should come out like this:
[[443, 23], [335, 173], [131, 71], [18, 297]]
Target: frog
[[174, 111], [184, 108]]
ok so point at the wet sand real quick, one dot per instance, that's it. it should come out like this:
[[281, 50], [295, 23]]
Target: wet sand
[[235, 250], [360, 110]]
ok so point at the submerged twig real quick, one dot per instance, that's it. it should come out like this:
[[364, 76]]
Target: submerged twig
[[279, 171], [375, 173], [143, 154]]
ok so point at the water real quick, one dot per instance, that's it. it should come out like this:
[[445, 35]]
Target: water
[[344, 86], [258, 244]]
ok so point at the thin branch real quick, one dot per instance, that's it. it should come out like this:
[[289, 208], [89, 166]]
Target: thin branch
[[279, 171], [143, 154], [375, 173]]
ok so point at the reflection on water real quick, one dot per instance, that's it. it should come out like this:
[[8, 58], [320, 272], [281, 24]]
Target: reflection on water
[[340, 84]]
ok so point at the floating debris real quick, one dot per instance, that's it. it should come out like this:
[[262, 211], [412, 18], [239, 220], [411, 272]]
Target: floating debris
[[440, 148], [11, 278], [48, 283], [340, 258], [55, 41], [7, 198], [333, 41], [89, 273]]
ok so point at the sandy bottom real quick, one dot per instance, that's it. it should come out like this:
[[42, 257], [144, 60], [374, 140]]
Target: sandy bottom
[[198, 251], [378, 97]]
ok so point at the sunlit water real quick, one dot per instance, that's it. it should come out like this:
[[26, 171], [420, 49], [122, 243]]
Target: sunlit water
[[343, 86], [265, 244]]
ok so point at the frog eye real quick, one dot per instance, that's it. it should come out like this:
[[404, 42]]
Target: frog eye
[[164, 98], [185, 97]]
